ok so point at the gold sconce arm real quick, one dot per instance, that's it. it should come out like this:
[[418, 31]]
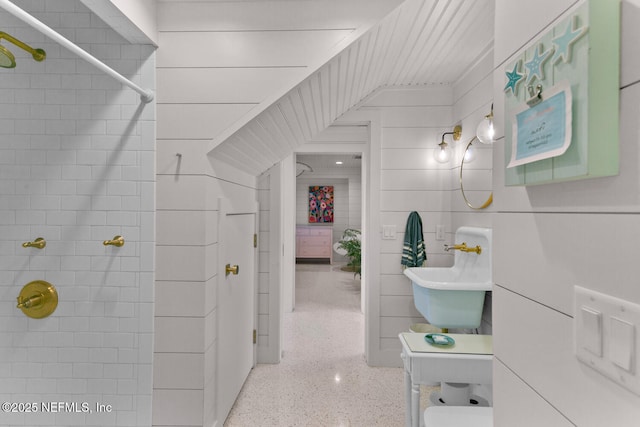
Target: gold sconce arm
[[462, 247], [116, 241], [39, 243]]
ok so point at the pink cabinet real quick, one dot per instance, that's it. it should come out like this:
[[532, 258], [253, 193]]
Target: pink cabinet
[[314, 242]]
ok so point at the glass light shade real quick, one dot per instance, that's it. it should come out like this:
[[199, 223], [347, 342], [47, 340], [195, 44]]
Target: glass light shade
[[442, 153], [485, 131], [470, 154]]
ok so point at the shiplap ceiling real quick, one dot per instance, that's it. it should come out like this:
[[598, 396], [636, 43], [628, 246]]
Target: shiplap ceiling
[[422, 42]]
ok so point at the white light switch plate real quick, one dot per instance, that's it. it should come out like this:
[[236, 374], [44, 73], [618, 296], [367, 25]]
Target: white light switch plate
[[591, 330], [618, 320], [622, 343], [388, 232]]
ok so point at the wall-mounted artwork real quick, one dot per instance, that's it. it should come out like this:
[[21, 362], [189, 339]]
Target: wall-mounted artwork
[[561, 99], [320, 204]]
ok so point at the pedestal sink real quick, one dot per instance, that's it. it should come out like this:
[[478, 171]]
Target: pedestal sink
[[453, 297]]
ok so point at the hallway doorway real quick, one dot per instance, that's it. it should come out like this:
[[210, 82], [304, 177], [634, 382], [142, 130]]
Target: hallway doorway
[[343, 174]]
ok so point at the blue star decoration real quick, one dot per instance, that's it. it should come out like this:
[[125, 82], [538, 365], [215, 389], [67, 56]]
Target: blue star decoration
[[514, 78], [535, 65], [565, 41]]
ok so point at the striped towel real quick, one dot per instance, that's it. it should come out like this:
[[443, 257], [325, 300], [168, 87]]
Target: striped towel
[[414, 252]]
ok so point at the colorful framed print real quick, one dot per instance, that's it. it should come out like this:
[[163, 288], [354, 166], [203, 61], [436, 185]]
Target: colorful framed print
[[320, 204]]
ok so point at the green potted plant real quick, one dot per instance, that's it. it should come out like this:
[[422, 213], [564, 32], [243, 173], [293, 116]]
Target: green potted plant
[[350, 242]]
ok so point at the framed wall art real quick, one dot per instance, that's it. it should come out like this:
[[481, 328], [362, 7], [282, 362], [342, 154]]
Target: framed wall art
[[320, 204]]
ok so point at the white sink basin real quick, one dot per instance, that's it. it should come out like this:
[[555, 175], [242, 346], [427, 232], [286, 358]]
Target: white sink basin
[[453, 297], [452, 278]]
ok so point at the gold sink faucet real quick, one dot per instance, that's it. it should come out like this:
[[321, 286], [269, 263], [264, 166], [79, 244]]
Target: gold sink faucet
[[463, 248]]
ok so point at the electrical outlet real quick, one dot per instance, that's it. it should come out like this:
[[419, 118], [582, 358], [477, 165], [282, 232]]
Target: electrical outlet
[[439, 232]]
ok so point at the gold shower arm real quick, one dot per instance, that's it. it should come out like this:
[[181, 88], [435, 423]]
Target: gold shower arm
[[38, 54]]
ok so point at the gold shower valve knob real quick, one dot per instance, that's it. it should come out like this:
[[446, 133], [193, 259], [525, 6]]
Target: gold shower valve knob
[[116, 241], [38, 299], [39, 243]]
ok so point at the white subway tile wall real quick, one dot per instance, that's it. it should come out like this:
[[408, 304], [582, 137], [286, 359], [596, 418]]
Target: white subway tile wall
[[77, 167]]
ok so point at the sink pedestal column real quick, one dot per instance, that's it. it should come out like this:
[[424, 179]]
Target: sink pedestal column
[[455, 394]]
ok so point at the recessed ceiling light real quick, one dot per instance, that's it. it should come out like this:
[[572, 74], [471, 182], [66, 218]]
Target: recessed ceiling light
[[338, 162]]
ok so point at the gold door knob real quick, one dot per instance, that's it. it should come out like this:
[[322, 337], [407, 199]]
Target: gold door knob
[[230, 269]]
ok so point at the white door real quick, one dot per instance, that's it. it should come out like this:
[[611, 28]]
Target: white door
[[235, 308]]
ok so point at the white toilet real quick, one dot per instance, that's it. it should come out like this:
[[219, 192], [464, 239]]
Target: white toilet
[[458, 416]]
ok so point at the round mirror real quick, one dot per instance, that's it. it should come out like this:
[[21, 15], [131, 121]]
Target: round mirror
[[473, 204]]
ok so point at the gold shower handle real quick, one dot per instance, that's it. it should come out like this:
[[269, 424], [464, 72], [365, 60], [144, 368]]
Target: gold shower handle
[[231, 269], [32, 301], [39, 243], [116, 241], [38, 299]]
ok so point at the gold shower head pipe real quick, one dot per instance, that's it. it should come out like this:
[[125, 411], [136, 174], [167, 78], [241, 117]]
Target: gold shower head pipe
[[38, 54]]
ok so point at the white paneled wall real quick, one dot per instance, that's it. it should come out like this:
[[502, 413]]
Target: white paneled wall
[[226, 58], [77, 154], [194, 107], [413, 119], [217, 61], [472, 102], [535, 229]]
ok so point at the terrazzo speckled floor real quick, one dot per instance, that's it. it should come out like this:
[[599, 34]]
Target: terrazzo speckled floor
[[323, 379]]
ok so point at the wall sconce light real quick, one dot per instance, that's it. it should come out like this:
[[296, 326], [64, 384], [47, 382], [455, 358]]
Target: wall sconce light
[[485, 130], [443, 154], [485, 133]]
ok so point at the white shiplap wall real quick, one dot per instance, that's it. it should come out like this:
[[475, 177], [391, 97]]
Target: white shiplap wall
[[77, 154], [412, 123], [216, 61], [412, 120], [549, 238], [472, 101]]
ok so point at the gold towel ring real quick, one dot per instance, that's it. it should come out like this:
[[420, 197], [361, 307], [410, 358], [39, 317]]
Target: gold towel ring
[[489, 200]]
